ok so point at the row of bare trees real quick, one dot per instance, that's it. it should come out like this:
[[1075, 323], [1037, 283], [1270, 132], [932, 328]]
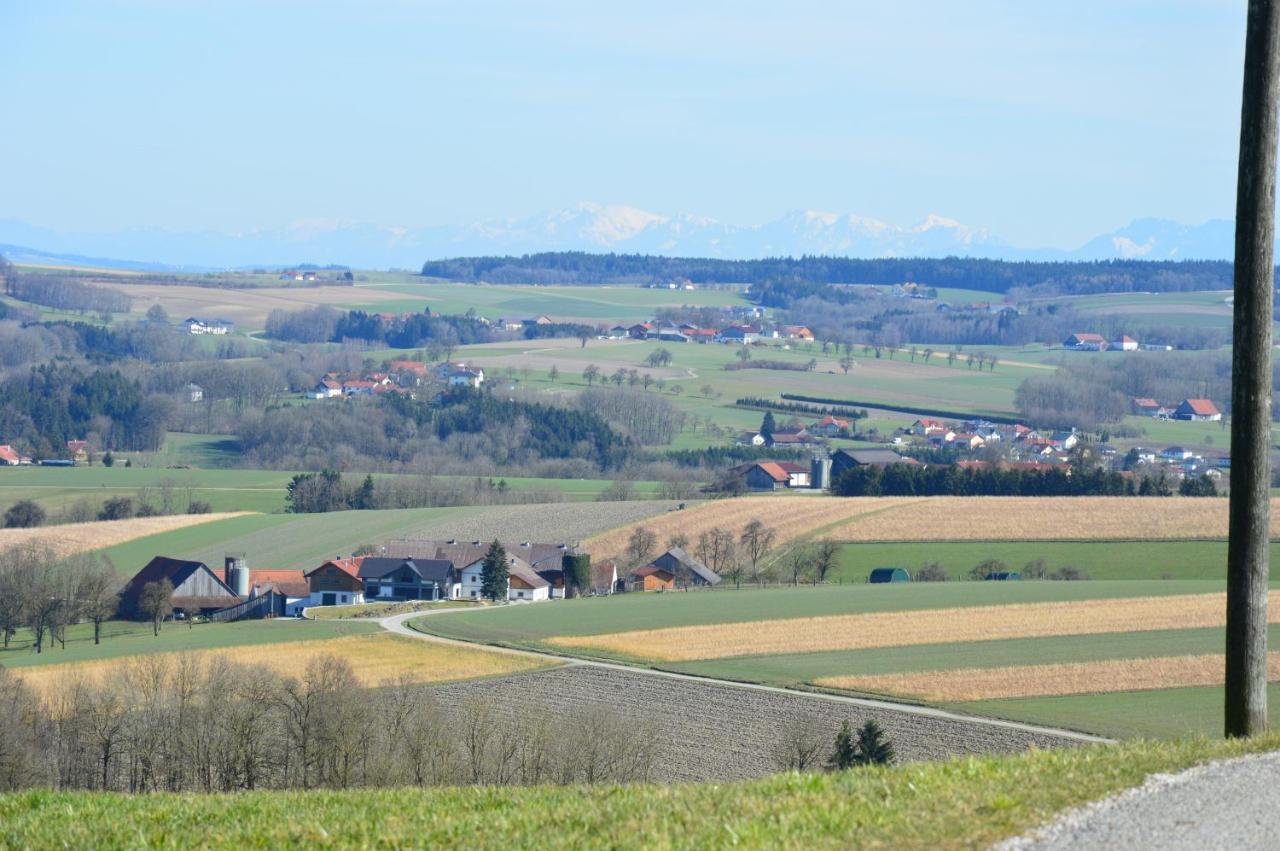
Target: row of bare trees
[[750, 553], [46, 594], [210, 724]]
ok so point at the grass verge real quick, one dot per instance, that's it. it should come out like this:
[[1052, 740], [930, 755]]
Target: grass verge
[[960, 803]]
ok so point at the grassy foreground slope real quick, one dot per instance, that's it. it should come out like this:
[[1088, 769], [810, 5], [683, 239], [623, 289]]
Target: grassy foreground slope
[[961, 803]]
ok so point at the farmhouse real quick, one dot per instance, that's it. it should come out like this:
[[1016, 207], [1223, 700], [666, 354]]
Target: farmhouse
[[1145, 407], [689, 570], [829, 426], [460, 375], [1197, 409], [797, 332], [195, 393], [774, 475], [406, 578], [1086, 342], [790, 437], [334, 583], [845, 459], [535, 570], [517, 323], [196, 588], [744, 334], [195, 325], [750, 438], [78, 451], [9, 456], [1125, 344], [327, 388], [651, 578]]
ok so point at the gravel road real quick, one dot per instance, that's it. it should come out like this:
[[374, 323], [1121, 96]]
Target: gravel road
[[1229, 804]]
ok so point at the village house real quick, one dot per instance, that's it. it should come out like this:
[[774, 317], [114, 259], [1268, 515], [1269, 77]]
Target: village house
[[9, 456], [702, 335], [460, 375], [787, 437], [406, 578], [536, 569], [327, 388], [1145, 407], [195, 325], [829, 426], [797, 332], [78, 451], [617, 332], [640, 331], [518, 323], [1086, 342], [741, 334], [337, 582], [1124, 344], [195, 393], [1197, 410], [750, 438]]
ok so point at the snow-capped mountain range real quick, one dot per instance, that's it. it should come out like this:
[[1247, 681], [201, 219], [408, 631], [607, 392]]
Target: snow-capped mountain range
[[597, 228]]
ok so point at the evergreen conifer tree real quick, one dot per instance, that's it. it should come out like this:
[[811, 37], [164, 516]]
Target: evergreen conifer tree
[[493, 573], [874, 747], [845, 754]]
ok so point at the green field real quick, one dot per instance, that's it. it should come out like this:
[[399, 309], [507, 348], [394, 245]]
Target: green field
[[968, 802], [1120, 714], [127, 638], [529, 625], [595, 304], [55, 488], [1098, 559]]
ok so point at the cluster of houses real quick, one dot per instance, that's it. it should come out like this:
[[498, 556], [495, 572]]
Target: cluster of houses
[[197, 325], [797, 436], [1193, 410], [402, 376], [435, 570], [77, 453], [742, 326], [1087, 341]]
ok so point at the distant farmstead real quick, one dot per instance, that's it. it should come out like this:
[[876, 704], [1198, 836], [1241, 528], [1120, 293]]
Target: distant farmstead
[[1086, 342], [196, 325], [1197, 409]]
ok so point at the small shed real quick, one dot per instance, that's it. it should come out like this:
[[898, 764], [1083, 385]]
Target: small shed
[[889, 574], [652, 578], [1004, 576]]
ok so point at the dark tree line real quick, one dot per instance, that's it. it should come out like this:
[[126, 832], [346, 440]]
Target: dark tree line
[[55, 403], [918, 480], [778, 279], [65, 293]]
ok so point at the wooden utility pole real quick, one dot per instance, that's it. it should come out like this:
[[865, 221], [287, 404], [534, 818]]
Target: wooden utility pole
[[1247, 550]]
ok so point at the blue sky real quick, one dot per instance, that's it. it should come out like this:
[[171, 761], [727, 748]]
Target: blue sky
[[1046, 122]]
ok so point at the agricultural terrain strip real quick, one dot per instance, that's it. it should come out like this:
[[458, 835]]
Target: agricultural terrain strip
[[791, 517], [375, 658], [1010, 518], [78, 537], [1112, 675], [897, 629]]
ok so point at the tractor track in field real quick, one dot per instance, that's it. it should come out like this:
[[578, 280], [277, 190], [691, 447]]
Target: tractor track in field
[[724, 729]]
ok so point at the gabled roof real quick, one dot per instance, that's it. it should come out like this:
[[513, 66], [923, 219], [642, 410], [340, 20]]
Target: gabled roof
[[873, 456], [793, 467], [9, 455], [772, 470], [1088, 338], [650, 570], [176, 570], [603, 573], [1200, 407], [349, 566], [428, 569], [691, 564], [291, 583]]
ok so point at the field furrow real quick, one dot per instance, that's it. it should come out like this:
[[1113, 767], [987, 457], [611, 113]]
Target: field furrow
[[924, 626]]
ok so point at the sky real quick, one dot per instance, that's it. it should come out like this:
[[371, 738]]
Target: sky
[[1047, 123]]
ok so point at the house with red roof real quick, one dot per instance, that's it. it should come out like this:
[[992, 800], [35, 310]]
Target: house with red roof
[[9, 456], [1197, 410], [1124, 344], [1086, 342], [829, 426], [337, 582]]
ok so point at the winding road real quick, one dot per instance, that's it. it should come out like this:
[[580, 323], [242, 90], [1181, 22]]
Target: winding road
[[398, 624]]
